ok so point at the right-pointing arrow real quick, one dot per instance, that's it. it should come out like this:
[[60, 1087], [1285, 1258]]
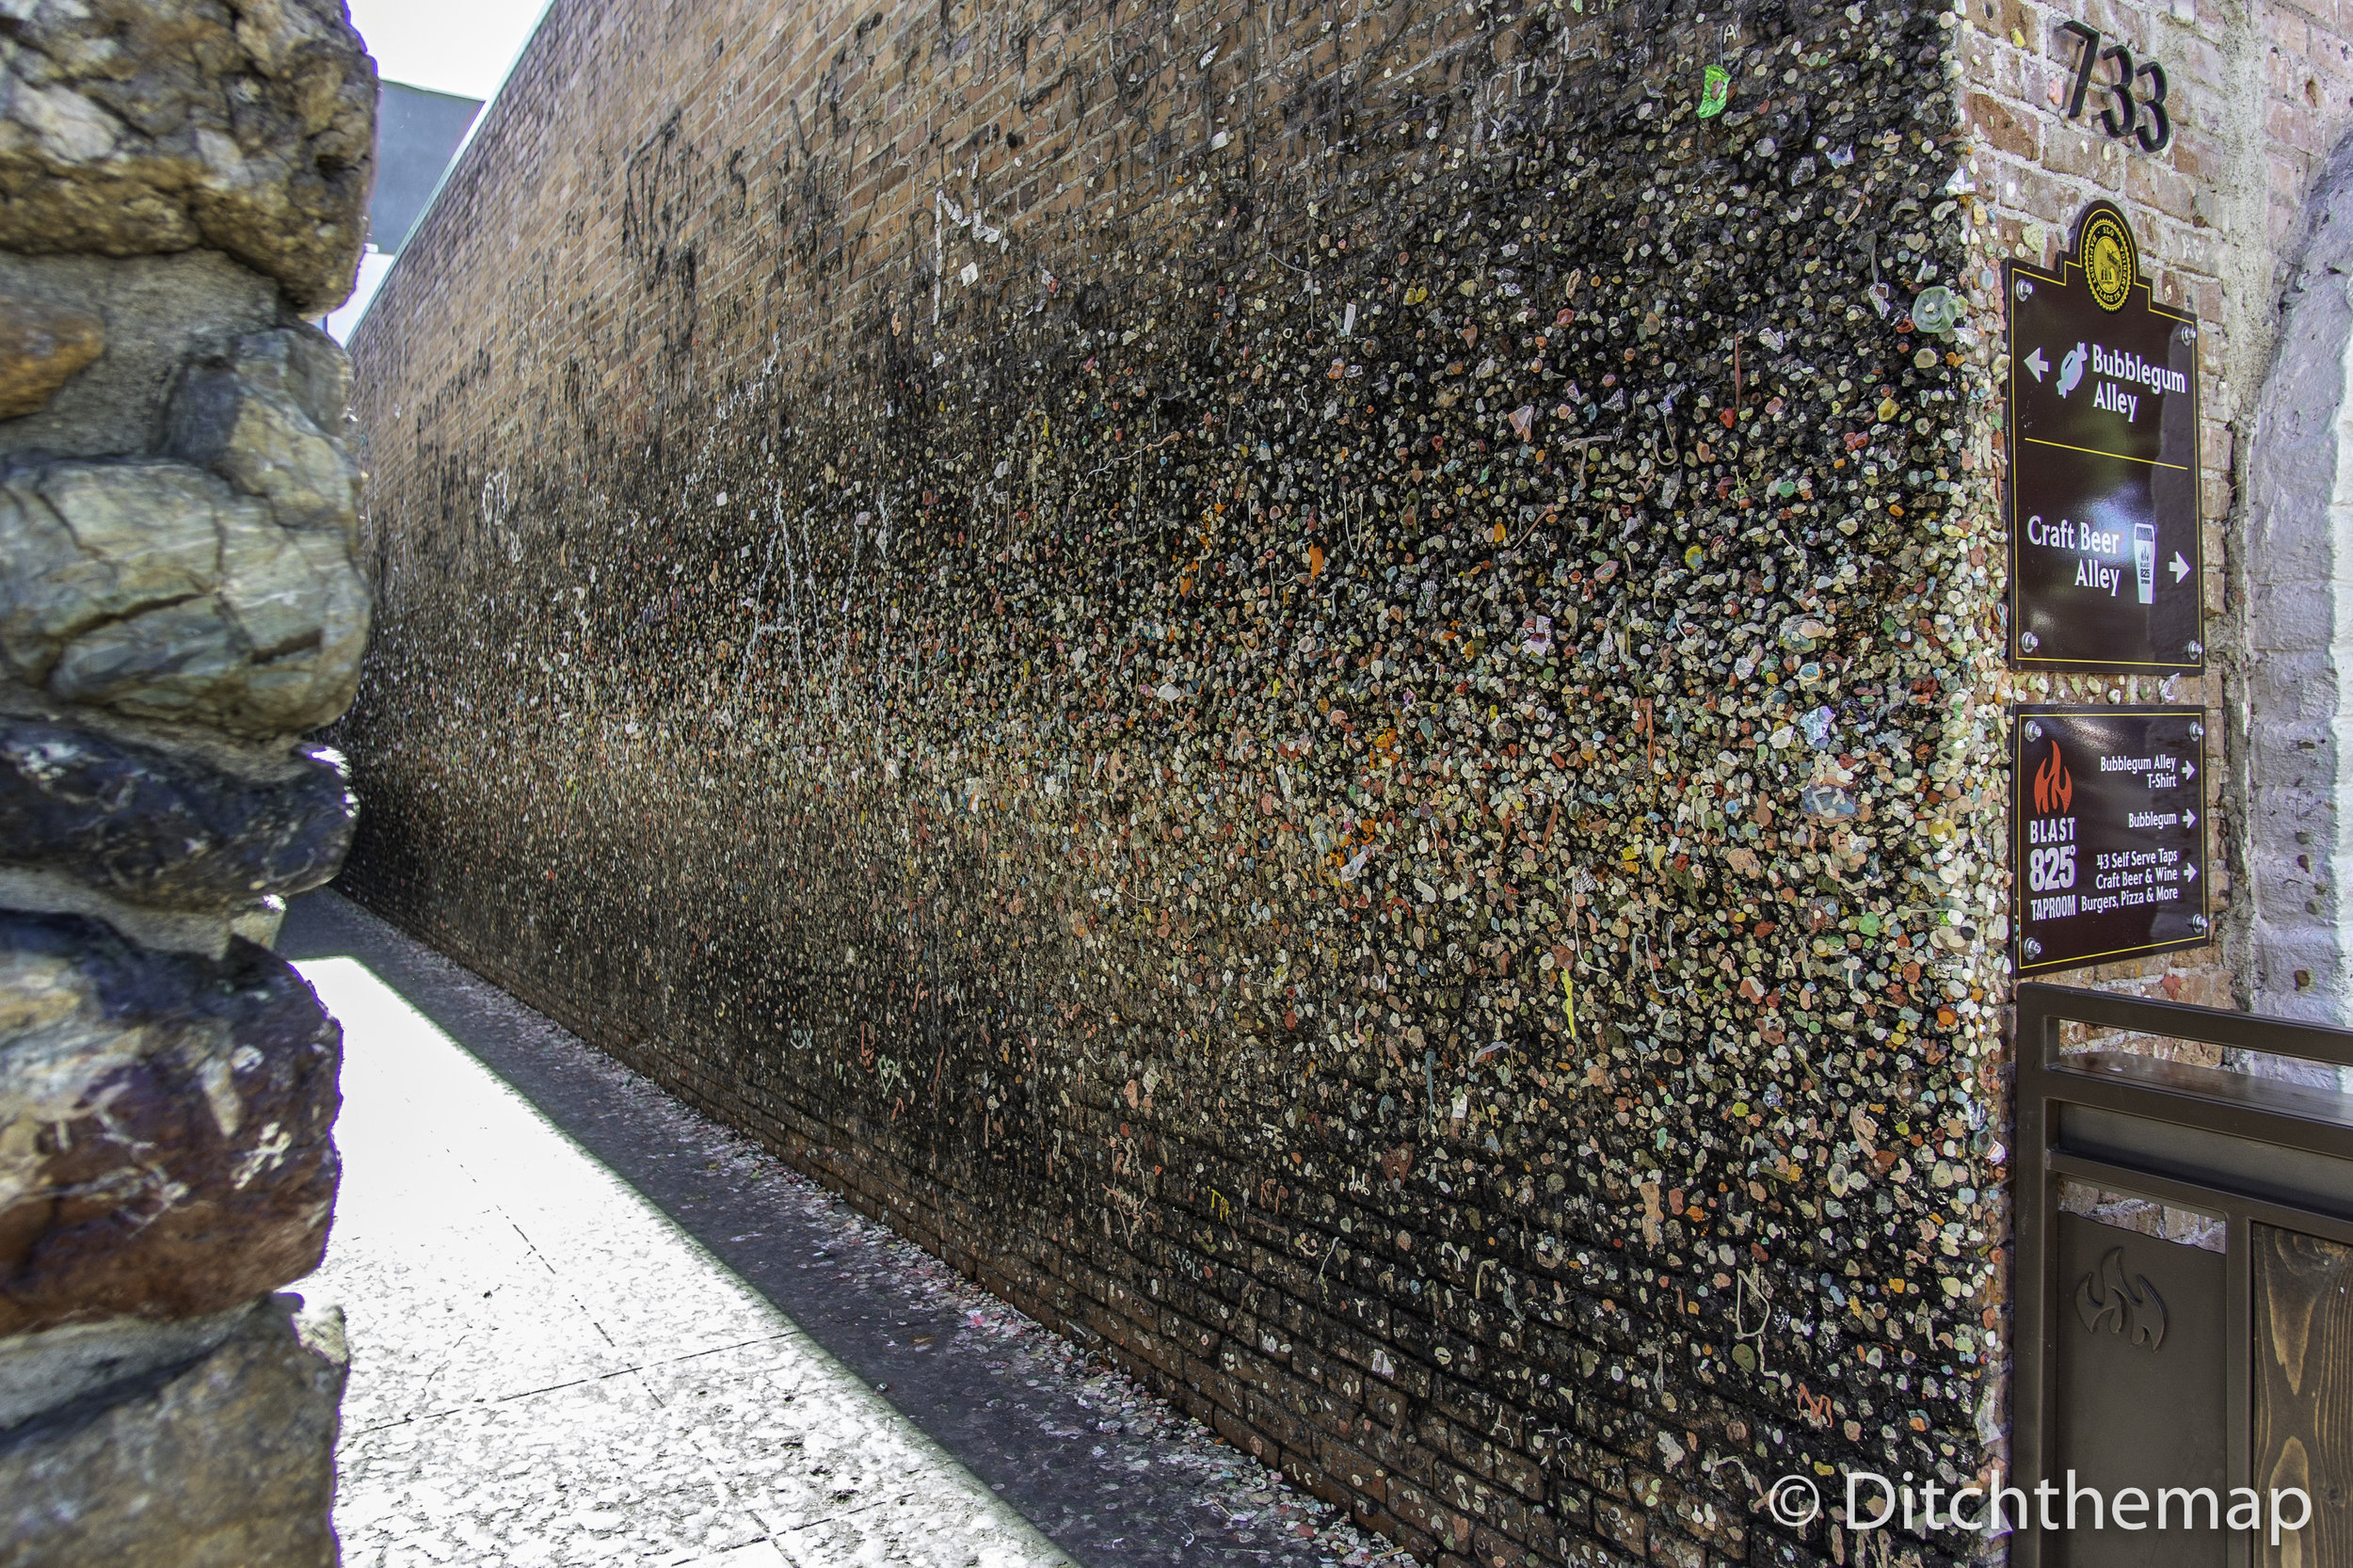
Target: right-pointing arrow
[[2036, 363], [2178, 567]]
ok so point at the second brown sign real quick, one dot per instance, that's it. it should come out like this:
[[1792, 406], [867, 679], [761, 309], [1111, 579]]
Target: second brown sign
[[2110, 859]]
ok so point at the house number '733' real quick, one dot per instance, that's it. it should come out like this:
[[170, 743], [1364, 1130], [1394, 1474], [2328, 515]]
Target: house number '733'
[[2137, 92]]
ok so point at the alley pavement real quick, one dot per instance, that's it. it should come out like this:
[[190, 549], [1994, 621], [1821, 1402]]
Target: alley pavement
[[588, 1325]]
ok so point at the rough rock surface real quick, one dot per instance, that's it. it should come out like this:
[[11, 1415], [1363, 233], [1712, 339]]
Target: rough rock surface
[[180, 182], [152, 587], [262, 415], [41, 345], [227, 1461], [156, 311], [151, 827], [40, 1372], [164, 1125], [135, 127]]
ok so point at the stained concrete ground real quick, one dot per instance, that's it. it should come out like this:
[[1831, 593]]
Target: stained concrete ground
[[590, 1326]]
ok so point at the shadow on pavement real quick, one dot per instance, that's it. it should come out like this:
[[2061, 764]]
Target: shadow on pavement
[[1104, 1485]]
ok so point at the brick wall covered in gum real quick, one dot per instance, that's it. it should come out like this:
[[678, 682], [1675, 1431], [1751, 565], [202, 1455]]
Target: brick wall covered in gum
[[1315, 685]]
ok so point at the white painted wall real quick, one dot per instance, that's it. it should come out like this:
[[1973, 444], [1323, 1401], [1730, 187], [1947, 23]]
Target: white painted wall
[[2296, 560], [344, 319]]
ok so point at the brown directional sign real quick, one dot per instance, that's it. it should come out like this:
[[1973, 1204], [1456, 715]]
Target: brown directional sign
[[2109, 854], [2103, 538]]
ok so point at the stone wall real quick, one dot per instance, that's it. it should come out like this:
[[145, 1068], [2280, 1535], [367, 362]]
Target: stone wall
[[1320, 687], [178, 603]]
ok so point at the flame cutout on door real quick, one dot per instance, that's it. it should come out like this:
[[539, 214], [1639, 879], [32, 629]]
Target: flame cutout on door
[[2139, 1315]]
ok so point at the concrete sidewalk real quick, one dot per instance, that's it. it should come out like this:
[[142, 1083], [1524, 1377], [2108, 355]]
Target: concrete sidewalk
[[567, 1300]]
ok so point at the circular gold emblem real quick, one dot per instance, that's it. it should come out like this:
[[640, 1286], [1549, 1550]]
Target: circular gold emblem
[[2110, 265]]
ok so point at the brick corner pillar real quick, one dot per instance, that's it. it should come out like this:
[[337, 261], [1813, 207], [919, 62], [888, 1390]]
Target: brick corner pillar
[[179, 604]]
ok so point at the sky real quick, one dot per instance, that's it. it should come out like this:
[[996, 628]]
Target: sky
[[460, 46]]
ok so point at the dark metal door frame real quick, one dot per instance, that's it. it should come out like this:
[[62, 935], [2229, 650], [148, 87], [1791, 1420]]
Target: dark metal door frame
[[2247, 1150]]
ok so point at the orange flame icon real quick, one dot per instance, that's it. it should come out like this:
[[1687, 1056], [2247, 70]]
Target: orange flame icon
[[2054, 790]]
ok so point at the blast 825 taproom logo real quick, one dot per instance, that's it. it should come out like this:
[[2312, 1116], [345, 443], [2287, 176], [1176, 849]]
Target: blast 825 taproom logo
[[2109, 854], [2051, 839]]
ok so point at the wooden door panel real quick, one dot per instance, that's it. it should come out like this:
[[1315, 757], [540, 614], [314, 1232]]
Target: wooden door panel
[[2303, 1388]]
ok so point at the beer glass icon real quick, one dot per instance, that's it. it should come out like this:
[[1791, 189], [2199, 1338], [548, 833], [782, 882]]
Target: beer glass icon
[[2145, 560]]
